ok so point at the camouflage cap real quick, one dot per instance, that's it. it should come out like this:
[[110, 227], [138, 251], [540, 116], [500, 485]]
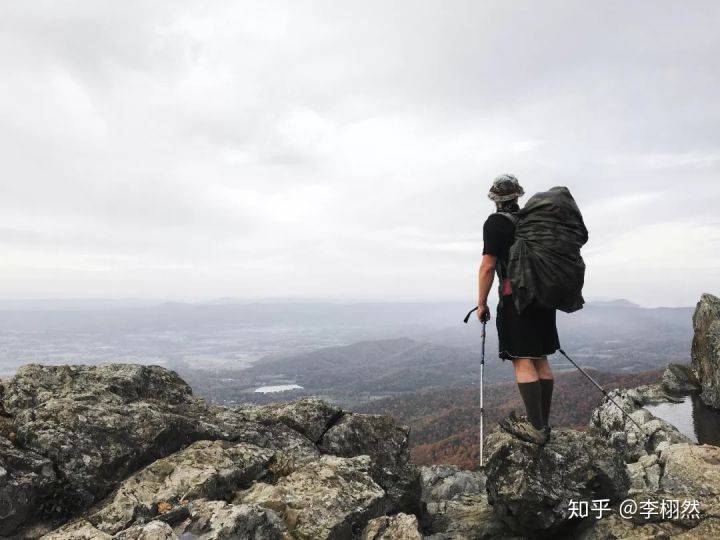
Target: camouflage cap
[[505, 187]]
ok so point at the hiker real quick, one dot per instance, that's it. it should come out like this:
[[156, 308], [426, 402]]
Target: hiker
[[528, 337]]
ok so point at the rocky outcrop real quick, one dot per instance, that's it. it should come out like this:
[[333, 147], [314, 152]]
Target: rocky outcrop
[[126, 451], [679, 379], [398, 527], [387, 443], [705, 351], [99, 424], [218, 520], [237, 425], [333, 497], [531, 487], [26, 478], [615, 527], [203, 470], [310, 417], [684, 473], [609, 422], [455, 506]]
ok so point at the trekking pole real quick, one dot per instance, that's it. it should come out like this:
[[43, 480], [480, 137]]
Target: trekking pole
[[482, 365], [647, 439]]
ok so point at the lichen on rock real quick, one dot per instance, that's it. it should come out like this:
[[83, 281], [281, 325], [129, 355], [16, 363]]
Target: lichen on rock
[[705, 352]]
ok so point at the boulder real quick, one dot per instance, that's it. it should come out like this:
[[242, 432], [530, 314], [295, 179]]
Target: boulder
[[683, 473], [331, 498], [77, 530], [455, 506], [98, 424], [35, 384], [26, 480], [608, 422], [705, 352], [155, 530], [218, 520], [241, 425], [707, 529], [7, 429], [691, 469], [84, 530], [464, 517], [311, 417], [445, 482], [397, 527], [531, 488], [679, 379], [203, 470], [614, 527], [644, 474], [386, 442]]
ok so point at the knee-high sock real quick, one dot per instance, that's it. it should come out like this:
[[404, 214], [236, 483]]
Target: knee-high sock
[[546, 387], [530, 393]]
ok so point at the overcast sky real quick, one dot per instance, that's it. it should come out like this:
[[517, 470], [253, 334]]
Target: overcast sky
[[344, 150]]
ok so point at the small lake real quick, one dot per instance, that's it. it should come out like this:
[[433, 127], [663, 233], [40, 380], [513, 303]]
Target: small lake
[[278, 388], [692, 418]]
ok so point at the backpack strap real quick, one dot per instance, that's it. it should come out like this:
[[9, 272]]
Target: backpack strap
[[514, 220]]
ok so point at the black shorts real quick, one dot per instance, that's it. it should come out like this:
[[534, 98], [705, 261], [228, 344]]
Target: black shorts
[[530, 334]]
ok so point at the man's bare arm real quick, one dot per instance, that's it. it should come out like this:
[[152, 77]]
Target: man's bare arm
[[486, 275]]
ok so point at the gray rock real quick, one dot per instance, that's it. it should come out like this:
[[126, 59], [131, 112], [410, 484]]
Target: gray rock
[[218, 520], [331, 498], [705, 351], [95, 446], [445, 482], [34, 384], [100, 423], [530, 487], [681, 472], [608, 422], [155, 530], [239, 424], [203, 470], [708, 529], [137, 434], [614, 527], [644, 474], [77, 530], [386, 442], [26, 479], [679, 379], [310, 417], [465, 517], [691, 469], [398, 527], [455, 505]]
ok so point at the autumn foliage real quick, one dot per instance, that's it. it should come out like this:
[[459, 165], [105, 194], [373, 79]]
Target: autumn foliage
[[445, 423]]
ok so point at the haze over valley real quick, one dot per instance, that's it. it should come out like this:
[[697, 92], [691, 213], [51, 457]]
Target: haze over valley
[[348, 353]]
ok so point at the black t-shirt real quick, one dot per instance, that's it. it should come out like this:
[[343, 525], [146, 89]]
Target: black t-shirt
[[498, 235]]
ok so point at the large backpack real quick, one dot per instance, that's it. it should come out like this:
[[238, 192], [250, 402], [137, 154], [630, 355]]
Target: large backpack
[[545, 264]]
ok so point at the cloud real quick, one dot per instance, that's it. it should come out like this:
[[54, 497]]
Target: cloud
[[250, 149]]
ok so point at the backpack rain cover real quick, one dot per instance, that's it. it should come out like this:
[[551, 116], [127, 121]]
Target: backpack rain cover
[[545, 262]]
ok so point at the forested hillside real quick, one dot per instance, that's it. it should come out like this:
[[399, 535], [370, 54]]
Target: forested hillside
[[445, 423]]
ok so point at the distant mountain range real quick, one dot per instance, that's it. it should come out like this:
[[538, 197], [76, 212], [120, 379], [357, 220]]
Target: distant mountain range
[[350, 353]]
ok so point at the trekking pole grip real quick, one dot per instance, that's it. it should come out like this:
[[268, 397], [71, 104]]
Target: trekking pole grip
[[467, 317]]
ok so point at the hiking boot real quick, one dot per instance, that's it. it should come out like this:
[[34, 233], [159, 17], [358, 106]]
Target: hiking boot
[[524, 430]]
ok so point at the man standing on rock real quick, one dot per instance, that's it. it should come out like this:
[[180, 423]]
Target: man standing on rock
[[525, 338]]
